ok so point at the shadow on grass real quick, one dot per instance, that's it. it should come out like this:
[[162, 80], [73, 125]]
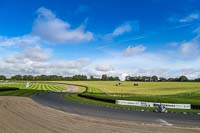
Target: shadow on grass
[[8, 89], [17, 92]]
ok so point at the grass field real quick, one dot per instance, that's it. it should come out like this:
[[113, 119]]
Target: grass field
[[166, 92], [145, 88], [32, 89], [172, 92]]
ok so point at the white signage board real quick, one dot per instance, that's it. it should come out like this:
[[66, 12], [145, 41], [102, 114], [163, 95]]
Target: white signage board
[[152, 104], [135, 103], [27, 85]]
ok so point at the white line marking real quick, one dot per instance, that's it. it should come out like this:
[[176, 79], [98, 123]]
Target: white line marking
[[165, 123]]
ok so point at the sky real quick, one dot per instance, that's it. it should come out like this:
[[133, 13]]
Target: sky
[[95, 37]]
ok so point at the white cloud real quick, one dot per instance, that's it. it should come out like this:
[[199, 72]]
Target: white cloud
[[189, 48], [19, 41], [32, 58], [149, 64], [190, 18], [124, 28], [73, 64], [52, 29], [197, 32], [29, 54], [173, 44], [122, 76], [191, 73], [37, 53], [104, 67], [37, 61], [131, 50]]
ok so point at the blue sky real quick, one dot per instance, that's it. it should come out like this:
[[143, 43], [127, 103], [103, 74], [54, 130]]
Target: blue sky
[[116, 37]]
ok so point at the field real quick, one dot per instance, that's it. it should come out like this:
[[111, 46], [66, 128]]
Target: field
[[166, 92], [173, 92], [32, 89], [146, 88]]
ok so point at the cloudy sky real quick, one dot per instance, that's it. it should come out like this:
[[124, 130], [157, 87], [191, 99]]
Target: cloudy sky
[[114, 37]]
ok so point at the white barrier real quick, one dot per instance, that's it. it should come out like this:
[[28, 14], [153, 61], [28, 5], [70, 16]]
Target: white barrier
[[152, 104], [27, 85]]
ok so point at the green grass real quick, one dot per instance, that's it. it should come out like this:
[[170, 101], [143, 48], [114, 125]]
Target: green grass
[[144, 88], [81, 89], [99, 93], [168, 92], [32, 89], [179, 98], [165, 92], [76, 98]]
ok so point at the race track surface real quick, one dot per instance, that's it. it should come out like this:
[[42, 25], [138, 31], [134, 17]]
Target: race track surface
[[57, 101], [23, 115]]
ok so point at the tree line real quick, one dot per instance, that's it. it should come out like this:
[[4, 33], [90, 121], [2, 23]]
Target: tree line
[[159, 79], [57, 78], [104, 77]]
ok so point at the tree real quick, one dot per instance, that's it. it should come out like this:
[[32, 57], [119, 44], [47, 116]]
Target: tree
[[145, 78], [163, 79], [79, 77], [2, 77], [28, 77], [17, 77], [183, 78], [91, 77], [154, 78], [198, 79], [104, 77]]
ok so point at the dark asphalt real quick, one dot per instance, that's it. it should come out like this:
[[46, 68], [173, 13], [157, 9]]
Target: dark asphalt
[[57, 101]]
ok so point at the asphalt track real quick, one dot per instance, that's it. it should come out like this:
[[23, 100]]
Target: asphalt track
[[57, 101]]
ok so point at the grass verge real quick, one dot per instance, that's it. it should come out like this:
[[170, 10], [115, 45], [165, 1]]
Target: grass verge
[[76, 98], [98, 93]]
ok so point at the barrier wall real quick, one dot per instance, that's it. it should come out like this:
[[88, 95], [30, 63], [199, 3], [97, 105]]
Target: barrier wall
[[152, 104]]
